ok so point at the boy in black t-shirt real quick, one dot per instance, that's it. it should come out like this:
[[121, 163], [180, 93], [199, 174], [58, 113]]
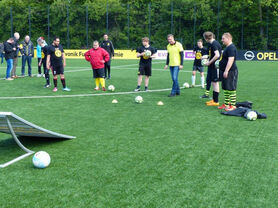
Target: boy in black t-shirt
[[56, 58], [229, 69], [198, 51], [146, 54], [213, 75]]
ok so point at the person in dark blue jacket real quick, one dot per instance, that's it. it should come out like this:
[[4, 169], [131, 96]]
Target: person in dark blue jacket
[[9, 49]]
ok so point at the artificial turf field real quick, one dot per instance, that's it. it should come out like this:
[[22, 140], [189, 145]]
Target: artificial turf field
[[182, 154]]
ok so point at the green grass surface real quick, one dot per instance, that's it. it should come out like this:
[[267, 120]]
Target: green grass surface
[[182, 154]]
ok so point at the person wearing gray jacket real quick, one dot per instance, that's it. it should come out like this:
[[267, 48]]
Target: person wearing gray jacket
[[27, 52], [15, 59]]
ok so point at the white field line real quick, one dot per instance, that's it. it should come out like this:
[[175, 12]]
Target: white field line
[[87, 95], [153, 69]]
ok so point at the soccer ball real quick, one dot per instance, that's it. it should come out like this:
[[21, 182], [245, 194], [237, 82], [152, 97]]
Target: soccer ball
[[216, 64], [41, 159], [111, 88], [160, 103], [186, 85], [204, 62], [147, 54], [114, 101], [139, 99], [251, 116]]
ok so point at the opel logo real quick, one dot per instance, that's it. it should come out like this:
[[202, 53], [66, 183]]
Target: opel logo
[[249, 55]]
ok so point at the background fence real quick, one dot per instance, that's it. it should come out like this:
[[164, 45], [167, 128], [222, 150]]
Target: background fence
[[253, 27]]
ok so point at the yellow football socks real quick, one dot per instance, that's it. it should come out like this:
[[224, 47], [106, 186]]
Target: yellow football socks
[[102, 82], [97, 82]]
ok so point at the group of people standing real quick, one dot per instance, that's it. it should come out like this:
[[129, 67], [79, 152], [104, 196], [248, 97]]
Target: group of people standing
[[221, 64], [221, 67], [53, 57], [12, 48]]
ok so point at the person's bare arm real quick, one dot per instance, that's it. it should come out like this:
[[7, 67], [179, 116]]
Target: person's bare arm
[[140, 54], [228, 67], [154, 55], [216, 56]]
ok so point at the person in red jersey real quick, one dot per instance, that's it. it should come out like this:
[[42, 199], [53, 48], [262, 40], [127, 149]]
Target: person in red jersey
[[97, 56]]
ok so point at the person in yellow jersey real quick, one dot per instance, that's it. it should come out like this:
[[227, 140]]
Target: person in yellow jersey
[[175, 58]]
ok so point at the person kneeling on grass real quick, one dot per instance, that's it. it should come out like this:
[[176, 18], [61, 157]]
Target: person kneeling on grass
[[97, 57]]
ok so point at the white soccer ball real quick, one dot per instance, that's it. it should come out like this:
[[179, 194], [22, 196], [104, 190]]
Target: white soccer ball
[[41, 159], [160, 103], [114, 101], [251, 116], [148, 53], [186, 85], [204, 62], [139, 99], [216, 64], [111, 88]]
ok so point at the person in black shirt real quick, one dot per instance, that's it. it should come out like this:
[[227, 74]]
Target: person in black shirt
[[56, 57], [43, 59], [199, 51], [146, 54], [213, 76], [9, 49], [108, 46], [230, 72]]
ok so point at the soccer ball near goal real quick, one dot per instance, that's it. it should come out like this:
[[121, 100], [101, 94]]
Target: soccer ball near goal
[[251, 116], [41, 159], [186, 85], [111, 88], [139, 99]]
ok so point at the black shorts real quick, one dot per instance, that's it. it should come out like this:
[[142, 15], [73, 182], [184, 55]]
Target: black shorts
[[98, 73], [56, 70], [198, 68], [231, 82], [145, 70], [214, 75]]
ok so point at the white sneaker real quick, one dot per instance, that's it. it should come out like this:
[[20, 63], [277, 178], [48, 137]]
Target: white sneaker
[[39, 75]]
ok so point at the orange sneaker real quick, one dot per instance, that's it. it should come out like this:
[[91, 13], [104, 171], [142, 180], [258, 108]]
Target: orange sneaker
[[213, 104], [222, 107], [210, 101], [230, 108]]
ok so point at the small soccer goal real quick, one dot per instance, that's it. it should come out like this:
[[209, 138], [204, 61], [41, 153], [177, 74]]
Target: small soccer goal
[[16, 126]]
